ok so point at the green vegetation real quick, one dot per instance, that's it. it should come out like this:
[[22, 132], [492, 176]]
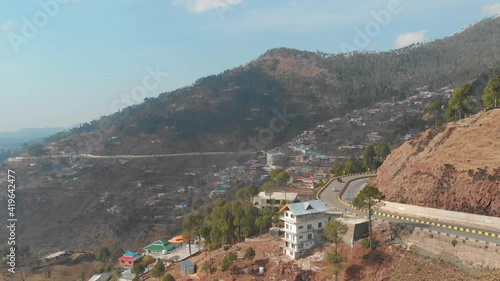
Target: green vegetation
[[365, 243], [82, 274], [158, 270], [334, 232], [454, 242], [249, 254], [36, 150], [228, 222], [168, 277], [434, 107], [103, 254], [366, 199], [461, 103], [372, 158], [491, 96], [376, 257], [228, 261]]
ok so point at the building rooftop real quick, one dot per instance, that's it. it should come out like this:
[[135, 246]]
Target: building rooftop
[[101, 277], [55, 255], [304, 208], [160, 245], [279, 195]]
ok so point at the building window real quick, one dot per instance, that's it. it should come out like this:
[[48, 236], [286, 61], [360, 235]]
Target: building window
[[286, 225], [309, 226], [301, 227], [320, 225], [286, 214], [301, 236], [292, 216], [309, 236]]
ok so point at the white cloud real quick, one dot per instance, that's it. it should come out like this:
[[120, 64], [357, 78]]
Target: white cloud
[[493, 9], [409, 38], [201, 6], [297, 16], [8, 26]]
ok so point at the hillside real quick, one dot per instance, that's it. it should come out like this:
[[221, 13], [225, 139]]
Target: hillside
[[240, 103], [454, 167], [252, 107]]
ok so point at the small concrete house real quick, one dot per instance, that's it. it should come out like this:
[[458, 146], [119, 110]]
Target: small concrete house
[[129, 259]]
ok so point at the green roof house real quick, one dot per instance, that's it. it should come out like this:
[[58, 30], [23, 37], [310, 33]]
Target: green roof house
[[161, 247]]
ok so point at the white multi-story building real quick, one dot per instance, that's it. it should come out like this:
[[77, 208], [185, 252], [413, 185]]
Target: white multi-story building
[[275, 158], [303, 226]]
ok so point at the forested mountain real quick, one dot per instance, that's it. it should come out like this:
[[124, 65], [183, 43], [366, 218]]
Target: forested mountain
[[235, 104]]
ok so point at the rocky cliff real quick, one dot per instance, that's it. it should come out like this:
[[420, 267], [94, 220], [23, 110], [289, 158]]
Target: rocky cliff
[[454, 167]]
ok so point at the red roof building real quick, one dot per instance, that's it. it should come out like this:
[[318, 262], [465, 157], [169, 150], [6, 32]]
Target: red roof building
[[129, 259]]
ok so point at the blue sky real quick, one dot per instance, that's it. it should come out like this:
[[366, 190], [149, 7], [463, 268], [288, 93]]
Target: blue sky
[[64, 62]]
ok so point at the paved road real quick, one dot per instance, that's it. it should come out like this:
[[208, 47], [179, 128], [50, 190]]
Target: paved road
[[330, 197], [14, 159]]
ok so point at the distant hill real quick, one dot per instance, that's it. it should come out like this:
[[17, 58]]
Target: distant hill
[[236, 104], [14, 140], [454, 167]]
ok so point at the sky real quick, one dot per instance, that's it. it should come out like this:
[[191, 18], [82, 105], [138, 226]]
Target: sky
[[65, 62]]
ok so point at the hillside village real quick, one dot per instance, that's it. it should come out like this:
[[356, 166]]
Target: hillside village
[[309, 170], [200, 184]]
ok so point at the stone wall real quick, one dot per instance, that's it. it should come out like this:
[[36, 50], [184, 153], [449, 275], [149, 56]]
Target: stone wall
[[471, 252]]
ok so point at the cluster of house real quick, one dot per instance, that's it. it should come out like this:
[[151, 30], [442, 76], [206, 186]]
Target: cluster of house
[[167, 250]]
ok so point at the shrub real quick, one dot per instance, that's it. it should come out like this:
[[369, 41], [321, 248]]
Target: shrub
[[418, 267], [454, 242], [365, 243]]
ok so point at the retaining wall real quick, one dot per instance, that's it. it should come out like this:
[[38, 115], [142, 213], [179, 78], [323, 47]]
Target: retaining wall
[[437, 214]]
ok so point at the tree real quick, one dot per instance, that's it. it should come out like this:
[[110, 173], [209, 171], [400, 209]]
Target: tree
[[427, 118], [138, 269], [366, 199], [337, 260], [36, 150], [228, 261], [460, 103], [249, 254], [103, 254], [117, 253], [382, 151], [436, 106], [369, 158], [187, 237], [168, 277], [48, 270], [147, 260], [269, 188], [261, 223], [82, 274], [160, 266], [155, 273], [334, 230], [275, 172], [491, 95]]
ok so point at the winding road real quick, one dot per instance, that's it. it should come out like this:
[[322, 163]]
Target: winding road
[[330, 196], [14, 159]]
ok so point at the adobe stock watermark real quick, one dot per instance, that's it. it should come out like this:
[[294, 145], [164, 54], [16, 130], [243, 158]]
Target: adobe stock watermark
[[153, 78], [363, 37], [31, 26], [277, 124], [150, 82]]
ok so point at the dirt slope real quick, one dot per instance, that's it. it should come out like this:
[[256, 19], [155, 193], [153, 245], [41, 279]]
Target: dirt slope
[[455, 167]]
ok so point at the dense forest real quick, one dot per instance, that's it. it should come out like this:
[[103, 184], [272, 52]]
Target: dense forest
[[313, 86]]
